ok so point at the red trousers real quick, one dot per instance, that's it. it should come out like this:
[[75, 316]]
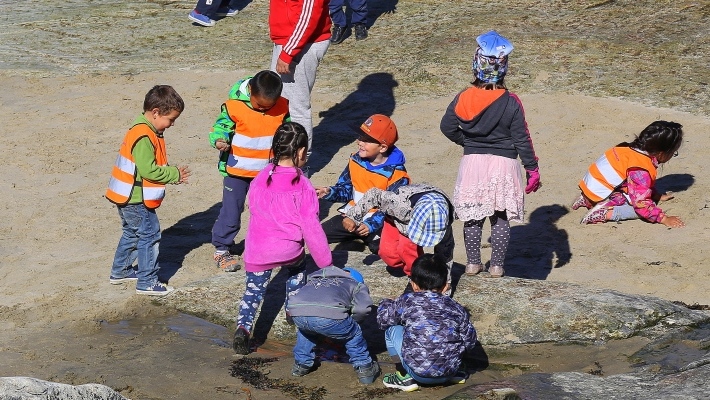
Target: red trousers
[[396, 250]]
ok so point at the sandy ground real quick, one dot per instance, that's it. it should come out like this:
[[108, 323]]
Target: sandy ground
[[60, 137], [61, 320]]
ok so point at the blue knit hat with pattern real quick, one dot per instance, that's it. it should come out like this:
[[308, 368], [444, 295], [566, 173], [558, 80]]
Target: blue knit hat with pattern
[[490, 61]]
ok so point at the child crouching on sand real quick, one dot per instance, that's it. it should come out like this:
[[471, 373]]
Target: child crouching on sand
[[426, 329], [332, 304]]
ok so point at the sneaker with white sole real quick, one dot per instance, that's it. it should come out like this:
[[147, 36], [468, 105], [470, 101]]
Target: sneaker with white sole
[[227, 12], [596, 215], [227, 261], [158, 289], [396, 381], [200, 19], [131, 276], [459, 378]]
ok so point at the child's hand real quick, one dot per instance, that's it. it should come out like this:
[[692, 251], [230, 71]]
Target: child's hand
[[666, 196], [184, 174], [221, 145], [533, 183], [672, 222], [362, 230], [322, 191], [349, 224]]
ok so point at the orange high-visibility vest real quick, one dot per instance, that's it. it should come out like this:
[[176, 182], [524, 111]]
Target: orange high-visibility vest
[[123, 175], [611, 170], [253, 134], [364, 180]]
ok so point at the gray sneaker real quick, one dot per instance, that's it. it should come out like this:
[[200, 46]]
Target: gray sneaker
[[301, 370], [366, 374]]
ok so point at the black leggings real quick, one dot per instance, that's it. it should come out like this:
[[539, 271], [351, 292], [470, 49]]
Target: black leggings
[[500, 237]]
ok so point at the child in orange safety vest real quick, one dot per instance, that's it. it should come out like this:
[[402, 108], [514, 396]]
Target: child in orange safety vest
[[378, 163], [243, 134], [137, 187], [620, 185]]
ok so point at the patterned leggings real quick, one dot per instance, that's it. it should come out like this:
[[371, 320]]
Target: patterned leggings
[[500, 237], [256, 283]]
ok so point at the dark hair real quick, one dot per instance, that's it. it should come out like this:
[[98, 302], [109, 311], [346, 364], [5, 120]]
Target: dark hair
[[661, 137], [289, 137], [164, 98], [430, 272], [489, 85], [266, 84]]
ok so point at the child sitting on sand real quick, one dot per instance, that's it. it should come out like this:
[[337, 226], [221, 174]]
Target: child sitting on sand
[[620, 185]]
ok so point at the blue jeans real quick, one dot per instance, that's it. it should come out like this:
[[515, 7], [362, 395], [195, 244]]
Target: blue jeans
[[393, 341], [346, 330], [256, 283], [139, 241]]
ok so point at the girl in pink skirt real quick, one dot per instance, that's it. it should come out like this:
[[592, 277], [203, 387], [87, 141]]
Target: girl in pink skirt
[[489, 123]]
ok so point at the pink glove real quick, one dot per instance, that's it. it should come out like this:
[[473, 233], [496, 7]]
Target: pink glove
[[533, 181]]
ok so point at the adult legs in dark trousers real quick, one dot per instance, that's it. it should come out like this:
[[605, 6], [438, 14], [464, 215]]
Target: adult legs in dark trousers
[[335, 233], [207, 11], [358, 19]]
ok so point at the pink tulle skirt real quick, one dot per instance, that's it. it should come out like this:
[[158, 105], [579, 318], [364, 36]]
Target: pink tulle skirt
[[488, 183]]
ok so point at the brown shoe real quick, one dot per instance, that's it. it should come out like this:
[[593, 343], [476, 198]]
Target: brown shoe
[[227, 261], [496, 271], [473, 269]]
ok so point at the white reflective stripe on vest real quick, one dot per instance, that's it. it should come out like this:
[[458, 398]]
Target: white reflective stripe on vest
[[257, 143], [608, 172], [125, 165], [249, 164], [122, 188], [153, 193]]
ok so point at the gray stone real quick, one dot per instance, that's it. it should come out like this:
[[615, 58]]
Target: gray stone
[[504, 311], [25, 388], [689, 383]]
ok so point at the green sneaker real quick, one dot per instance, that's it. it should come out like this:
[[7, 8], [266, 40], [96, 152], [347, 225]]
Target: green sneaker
[[397, 381]]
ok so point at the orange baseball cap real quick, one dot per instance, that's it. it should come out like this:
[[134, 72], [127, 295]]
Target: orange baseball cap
[[380, 128]]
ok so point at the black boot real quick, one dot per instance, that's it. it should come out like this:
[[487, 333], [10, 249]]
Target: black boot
[[338, 34], [360, 31]]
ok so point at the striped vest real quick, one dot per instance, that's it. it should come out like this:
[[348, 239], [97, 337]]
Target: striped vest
[[364, 180], [123, 175], [610, 171], [253, 134]]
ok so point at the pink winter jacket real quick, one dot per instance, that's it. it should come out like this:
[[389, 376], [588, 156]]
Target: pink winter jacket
[[284, 219]]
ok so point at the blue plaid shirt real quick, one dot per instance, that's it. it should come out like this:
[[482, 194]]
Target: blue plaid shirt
[[428, 224]]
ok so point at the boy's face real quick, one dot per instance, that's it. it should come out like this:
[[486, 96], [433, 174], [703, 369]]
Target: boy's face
[[260, 103], [162, 122], [367, 149]]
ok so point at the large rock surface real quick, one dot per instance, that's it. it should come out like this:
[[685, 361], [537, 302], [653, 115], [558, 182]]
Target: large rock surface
[[504, 311], [24, 388], [689, 383]]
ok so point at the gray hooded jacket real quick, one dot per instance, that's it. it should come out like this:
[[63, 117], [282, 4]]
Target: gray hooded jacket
[[331, 293]]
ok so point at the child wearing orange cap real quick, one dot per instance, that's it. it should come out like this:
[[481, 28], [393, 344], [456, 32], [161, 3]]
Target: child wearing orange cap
[[377, 163]]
